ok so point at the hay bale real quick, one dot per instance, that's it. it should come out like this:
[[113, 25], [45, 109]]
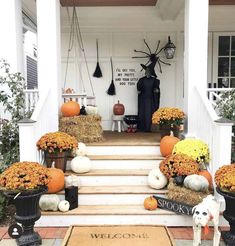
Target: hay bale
[[85, 128], [184, 195]]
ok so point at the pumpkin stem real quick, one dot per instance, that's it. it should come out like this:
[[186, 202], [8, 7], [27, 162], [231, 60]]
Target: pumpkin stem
[[171, 134]]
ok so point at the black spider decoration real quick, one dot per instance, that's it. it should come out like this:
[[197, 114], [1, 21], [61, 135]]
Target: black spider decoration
[[153, 57]]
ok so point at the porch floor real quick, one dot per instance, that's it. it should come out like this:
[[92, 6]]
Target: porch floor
[[128, 139]]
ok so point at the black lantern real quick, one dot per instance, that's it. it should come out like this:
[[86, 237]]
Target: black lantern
[[169, 49]]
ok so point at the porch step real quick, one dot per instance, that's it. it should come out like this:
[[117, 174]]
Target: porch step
[[123, 150], [114, 195], [110, 210], [112, 172], [113, 190], [123, 161], [126, 157], [113, 177], [113, 215]]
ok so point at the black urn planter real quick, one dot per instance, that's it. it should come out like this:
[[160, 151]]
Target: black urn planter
[[229, 215], [27, 212]]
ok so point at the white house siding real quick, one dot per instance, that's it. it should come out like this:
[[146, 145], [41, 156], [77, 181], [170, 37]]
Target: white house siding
[[120, 31]]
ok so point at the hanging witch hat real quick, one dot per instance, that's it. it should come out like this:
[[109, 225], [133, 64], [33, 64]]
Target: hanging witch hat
[[111, 90], [150, 67], [98, 72]]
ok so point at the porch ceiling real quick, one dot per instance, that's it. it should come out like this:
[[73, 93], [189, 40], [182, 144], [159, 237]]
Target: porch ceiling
[[108, 2]]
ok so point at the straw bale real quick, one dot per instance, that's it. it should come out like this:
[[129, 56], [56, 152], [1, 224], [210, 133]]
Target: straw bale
[[184, 195], [85, 128]]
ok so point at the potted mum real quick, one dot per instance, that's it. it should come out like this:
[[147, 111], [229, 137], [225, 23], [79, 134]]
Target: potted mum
[[24, 183], [225, 182], [168, 119], [57, 146]]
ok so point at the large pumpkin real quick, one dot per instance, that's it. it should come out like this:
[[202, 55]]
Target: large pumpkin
[[150, 203], [56, 183], [167, 144], [208, 176], [70, 109]]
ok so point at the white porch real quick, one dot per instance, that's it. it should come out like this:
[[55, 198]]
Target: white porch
[[120, 30]]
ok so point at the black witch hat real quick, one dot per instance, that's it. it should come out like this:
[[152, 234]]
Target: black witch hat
[[150, 67]]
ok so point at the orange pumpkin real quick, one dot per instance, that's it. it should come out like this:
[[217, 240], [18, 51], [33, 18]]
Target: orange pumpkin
[[70, 109], [208, 176], [167, 144], [56, 183], [150, 203]]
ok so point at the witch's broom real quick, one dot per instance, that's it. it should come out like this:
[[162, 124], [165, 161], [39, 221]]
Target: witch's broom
[[98, 72], [111, 90]]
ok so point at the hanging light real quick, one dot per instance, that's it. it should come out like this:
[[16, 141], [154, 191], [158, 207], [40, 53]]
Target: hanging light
[[169, 49]]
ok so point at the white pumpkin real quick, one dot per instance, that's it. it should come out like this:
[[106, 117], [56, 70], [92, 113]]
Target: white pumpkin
[[156, 179], [49, 202], [91, 110], [81, 164], [72, 180], [196, 182], [64, 206], [81, 150]]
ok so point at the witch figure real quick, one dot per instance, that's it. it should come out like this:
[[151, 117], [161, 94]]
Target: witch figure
[[148, 97]]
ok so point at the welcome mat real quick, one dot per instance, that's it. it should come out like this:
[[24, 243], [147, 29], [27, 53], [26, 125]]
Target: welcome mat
[[118, 236]]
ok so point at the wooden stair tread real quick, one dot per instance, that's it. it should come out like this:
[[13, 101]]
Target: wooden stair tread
[[126, 157], [112, 172], [119, 189], [110, 210]]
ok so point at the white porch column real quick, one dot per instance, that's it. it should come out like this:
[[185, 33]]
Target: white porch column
[[195, 56], [49, 59], [11, 41]]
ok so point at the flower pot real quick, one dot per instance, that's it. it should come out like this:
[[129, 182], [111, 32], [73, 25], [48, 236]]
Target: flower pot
[[229, 215], [27, 212], [165, 130], [59, 158]]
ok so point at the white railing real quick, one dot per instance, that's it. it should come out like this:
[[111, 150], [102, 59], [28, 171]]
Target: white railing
[[80, 98], [212, 130], [31, 99], [214, 94], [41, 122]]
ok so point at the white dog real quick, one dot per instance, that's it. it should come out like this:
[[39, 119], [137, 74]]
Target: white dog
[[206, 211]]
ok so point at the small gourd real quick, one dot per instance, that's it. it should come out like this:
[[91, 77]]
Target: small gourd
[[156, 179], [150, 203], [81, 164], [196, 182], [64, 206], [167, 144], [49, 202]]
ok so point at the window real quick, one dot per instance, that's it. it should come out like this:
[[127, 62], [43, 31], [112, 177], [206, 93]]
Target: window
[[224, 61], [32, 73]]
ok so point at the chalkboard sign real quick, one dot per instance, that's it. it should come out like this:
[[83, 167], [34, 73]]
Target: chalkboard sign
[[177, 207]]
